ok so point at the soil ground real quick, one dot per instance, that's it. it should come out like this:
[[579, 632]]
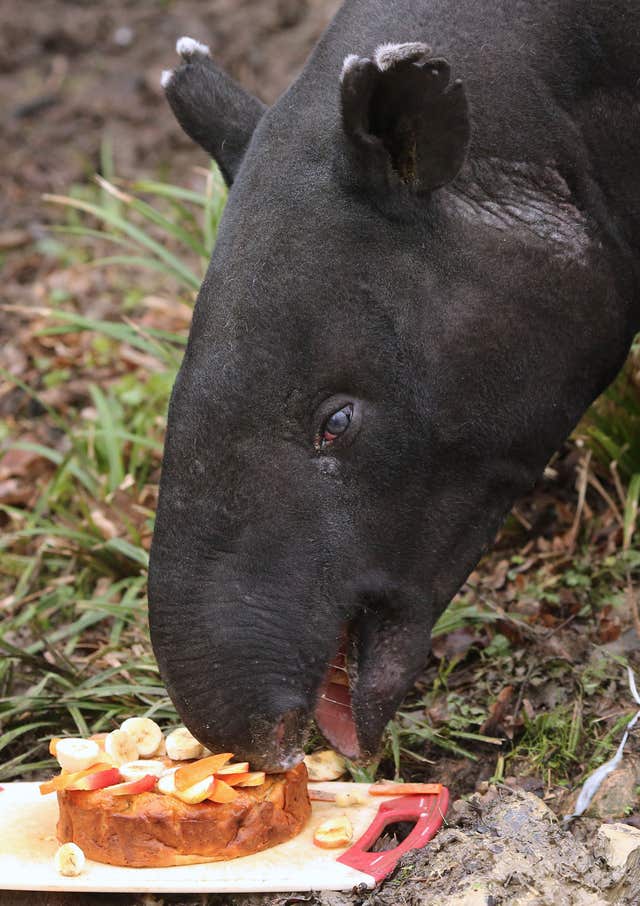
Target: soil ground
[[74, 72]]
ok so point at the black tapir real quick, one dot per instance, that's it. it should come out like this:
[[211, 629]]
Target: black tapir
[[427, 269]]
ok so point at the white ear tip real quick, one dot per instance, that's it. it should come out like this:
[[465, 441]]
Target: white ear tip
[[187, 47], [349, 62], [386, 55], [165, 78]]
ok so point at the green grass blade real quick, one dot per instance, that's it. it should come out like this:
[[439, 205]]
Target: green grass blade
[[10, 735], [174, 264], [84, 232], [153, 342], [107, 424], [169, 191], [631, 511], [128, 550], [154, 216]]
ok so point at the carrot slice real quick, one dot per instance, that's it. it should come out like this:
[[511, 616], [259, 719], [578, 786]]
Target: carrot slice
[[195, 771], [253, 778], [232, 779], [405, 789], [222, 792], [52, 745]]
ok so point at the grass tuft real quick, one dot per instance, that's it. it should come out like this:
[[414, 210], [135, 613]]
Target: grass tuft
[[74, 635]]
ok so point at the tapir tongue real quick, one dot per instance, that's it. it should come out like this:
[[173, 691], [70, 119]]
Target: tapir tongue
[[333, 712]]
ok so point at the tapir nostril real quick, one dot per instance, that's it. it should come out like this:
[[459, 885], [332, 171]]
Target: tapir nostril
[[289, 727], [287, 739]]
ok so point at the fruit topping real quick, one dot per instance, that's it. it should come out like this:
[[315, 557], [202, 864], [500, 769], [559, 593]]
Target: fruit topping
[[333, 833], [189, 774], [76, 754], [325, 765], [132, 787], [94, 778], [120, 747], [222, 792], [254, 778], [240, 767], [182, 745], [132, 770], [146, 734], [69, 860]]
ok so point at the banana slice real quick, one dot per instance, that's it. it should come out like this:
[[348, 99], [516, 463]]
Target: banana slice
[[181, 745], [167, 783], [77, 754], [133, 770], [146, 734], [69, 860], [120, 747], [344, 800], [325, 765], [333, 833]]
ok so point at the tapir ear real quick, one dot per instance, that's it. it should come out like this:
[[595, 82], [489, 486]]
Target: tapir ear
[[211, 108], [405, 123]]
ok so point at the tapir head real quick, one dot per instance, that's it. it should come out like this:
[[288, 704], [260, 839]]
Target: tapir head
[[381, 359]]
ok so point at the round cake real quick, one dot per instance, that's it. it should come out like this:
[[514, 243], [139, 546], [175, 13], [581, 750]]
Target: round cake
[[149, 830]]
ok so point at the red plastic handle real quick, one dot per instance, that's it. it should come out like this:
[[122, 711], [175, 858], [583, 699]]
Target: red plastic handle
[[427, 811]]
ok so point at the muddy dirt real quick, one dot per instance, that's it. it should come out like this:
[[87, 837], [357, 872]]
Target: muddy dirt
[[74, 72]]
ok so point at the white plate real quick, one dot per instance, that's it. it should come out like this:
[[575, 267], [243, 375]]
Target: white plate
[[28, 843]]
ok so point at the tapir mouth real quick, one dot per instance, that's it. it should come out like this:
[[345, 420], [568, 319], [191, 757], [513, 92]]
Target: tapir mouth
[[334, 712]]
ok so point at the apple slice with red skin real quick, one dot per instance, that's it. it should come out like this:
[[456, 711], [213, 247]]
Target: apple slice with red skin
[[240, 767], [94, 778], [97, 781], [132, 787]]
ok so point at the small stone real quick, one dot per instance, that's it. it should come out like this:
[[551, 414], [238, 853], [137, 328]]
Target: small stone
[[616, 842], [476, 895], [617, 793], [461, 812], [490, 796], [123, 36]]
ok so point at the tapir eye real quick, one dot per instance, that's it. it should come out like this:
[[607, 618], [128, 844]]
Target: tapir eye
[[336, 424]]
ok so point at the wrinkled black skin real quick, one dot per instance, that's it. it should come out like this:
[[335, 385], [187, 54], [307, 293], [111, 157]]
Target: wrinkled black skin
[[471, 351]]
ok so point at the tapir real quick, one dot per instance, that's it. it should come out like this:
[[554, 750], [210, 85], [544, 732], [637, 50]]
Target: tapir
[[427, 269]]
